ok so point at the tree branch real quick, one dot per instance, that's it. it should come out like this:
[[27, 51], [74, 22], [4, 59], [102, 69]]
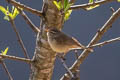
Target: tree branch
[[105, 42], [84, 6], [66, 67], [19, 38], [6, 70], [44, 57], [17, 4], [15, 58], [95, 39], [29, 22]]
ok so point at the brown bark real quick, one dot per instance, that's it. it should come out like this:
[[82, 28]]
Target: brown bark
[[44, 57]]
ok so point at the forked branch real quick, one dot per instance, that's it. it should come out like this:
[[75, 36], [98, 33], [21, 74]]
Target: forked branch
[[95, 39], [24, 7], [16, 58], [6, 69], [105, 42], [29, 22], [19, 38], [84, 6]]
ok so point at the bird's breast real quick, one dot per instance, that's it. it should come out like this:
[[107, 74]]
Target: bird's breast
[[56, 46]]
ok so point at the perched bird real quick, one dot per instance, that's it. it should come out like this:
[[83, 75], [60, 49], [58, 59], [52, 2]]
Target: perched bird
[[62, 43]]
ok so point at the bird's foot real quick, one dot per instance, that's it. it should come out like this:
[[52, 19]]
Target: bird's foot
[[61, 56]]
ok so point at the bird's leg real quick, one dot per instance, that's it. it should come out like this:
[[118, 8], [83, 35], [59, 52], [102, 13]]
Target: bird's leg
[[61, 55], [76, 54]]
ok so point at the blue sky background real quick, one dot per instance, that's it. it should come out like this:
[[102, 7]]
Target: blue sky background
[[102, 64]]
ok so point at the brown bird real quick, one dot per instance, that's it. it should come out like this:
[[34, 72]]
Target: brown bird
[[62, 43]]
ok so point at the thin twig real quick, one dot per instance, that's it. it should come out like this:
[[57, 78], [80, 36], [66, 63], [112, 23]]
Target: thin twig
[[84, 6], [112, 9], [65, 66], [19, 38], [16, 58], [95, 39], [29, 22], [105, 42], [6, 69], [17, 4]]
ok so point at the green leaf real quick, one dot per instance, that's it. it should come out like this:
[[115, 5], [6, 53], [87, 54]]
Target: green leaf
[[12, 9], [90, 1], [15, 13], [12, 15], [4, 11], [92, 7], [67, 7], [6, 18], [65, 3], [5, 51], [60, 4], [57, 5], [67, 14], [118, 0], [7, 8]]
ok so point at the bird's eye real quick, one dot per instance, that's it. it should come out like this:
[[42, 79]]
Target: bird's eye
[[54, 31]]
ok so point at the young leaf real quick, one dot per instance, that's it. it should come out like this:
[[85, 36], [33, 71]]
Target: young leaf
[[65, 3], [6, 18], [5, 11], [67, 7], [5, 51], [12, 9], [92, 7], [118, 0], [15, 13], [12, 15], [90, 1], [67, 14], [60, 4], [57, 5]]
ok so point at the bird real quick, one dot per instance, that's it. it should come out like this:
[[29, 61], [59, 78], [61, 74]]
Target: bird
[[61, 42]]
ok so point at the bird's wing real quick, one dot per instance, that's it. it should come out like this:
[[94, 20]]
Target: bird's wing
[[78, 43]]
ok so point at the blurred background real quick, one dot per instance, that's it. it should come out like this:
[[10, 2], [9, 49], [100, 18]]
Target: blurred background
[[102, 64]]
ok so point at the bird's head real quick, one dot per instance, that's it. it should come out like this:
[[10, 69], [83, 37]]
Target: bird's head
[[52, 30]]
